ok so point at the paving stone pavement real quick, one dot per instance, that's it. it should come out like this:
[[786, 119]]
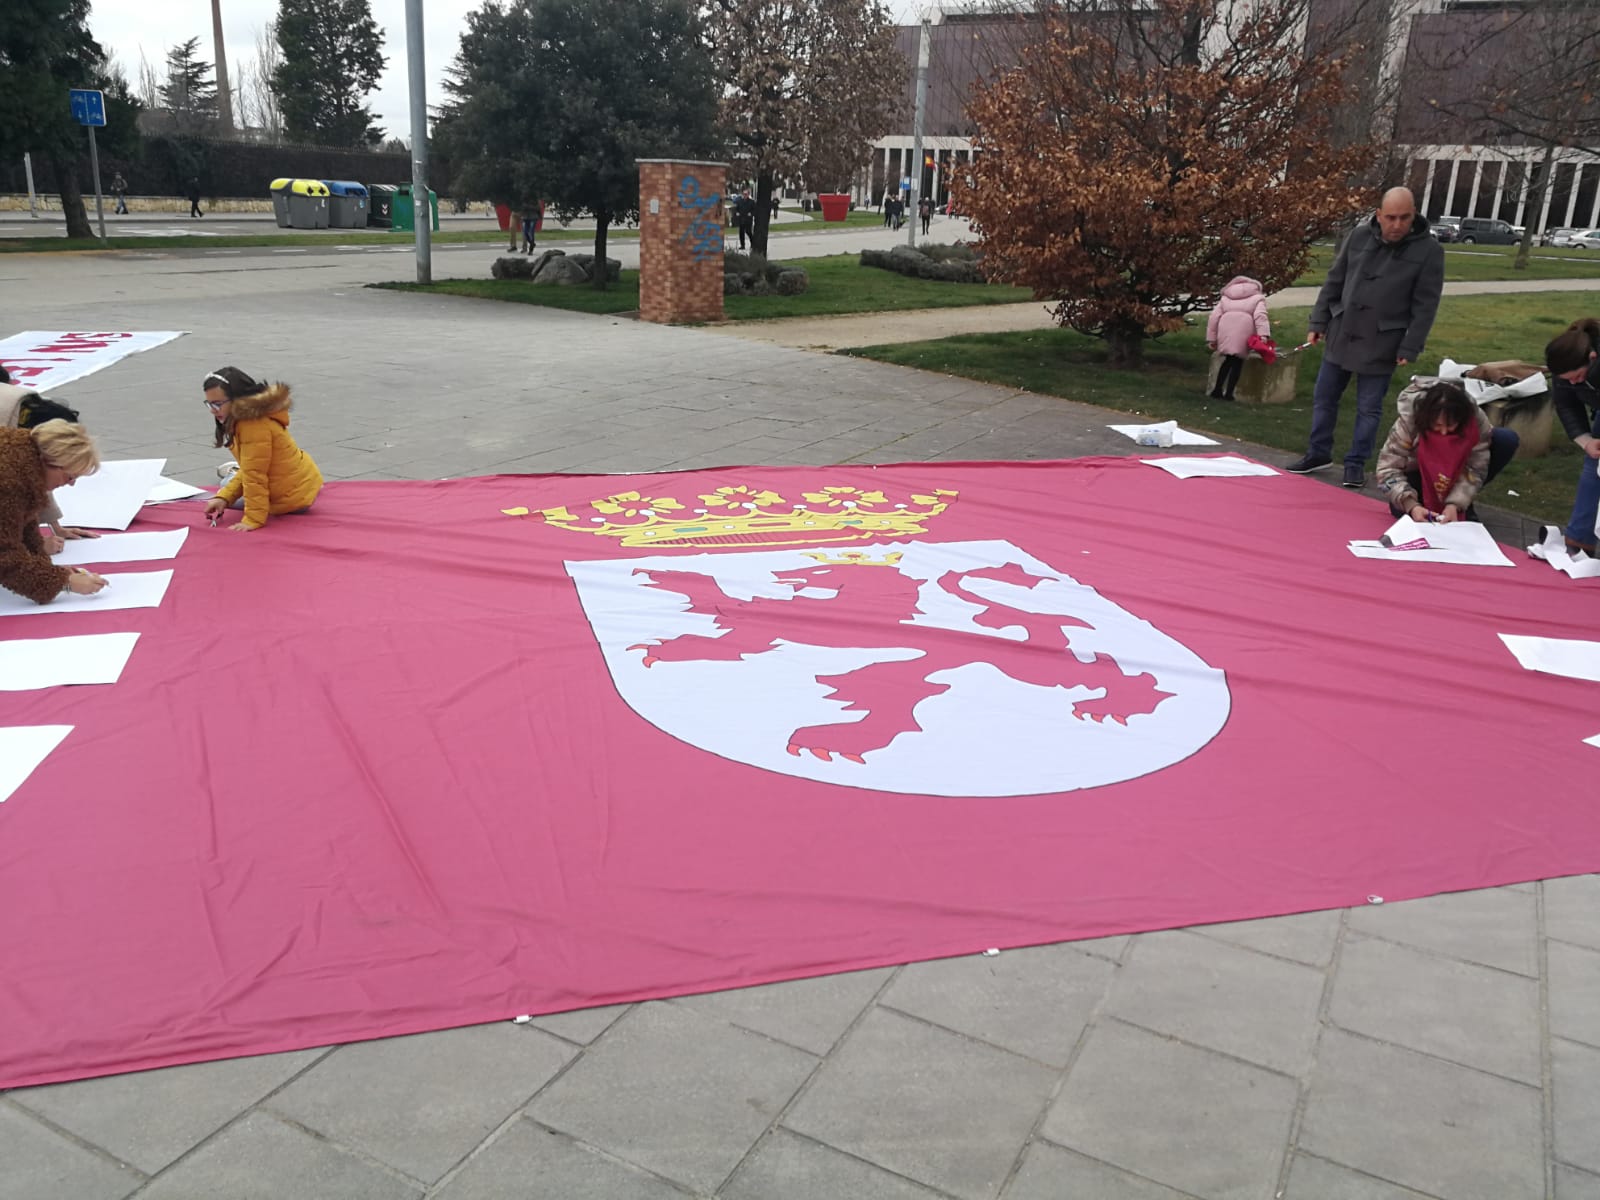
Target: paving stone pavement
[[1446, 1047]]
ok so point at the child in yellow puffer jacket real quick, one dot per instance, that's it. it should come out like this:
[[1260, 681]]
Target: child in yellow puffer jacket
[[275, 476]]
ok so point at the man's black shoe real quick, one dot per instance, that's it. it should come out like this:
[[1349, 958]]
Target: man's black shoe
[[1308, 463], [1354, 476]]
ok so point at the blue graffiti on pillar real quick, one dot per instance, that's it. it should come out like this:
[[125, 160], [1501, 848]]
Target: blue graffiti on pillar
[[704, 234]]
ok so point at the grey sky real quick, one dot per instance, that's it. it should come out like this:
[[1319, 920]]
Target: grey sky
[[127, 27]]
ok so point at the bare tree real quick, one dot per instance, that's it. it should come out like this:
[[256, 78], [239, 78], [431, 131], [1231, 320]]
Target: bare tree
[[1523, 73], [806, 87], [148, 88], [258, 103]]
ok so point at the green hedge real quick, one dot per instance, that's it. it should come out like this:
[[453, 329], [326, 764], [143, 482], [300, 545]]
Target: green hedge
[[165, 164]]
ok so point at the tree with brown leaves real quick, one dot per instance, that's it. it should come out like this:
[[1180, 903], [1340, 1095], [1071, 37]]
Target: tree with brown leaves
[[807, 85], [1146, 151]]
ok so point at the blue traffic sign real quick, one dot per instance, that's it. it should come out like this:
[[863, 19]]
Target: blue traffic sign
[[88, 106]]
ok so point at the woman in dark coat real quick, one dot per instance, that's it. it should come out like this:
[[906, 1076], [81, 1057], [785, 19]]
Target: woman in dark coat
[[1574, 361]]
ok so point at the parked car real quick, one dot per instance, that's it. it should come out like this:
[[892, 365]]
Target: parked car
[[1488, 230], [1589, 239], [1446, 229], [1557, 237]]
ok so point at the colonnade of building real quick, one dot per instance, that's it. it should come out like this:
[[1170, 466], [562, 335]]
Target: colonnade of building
[[891, 163], [1484, 181], [1461, 181]]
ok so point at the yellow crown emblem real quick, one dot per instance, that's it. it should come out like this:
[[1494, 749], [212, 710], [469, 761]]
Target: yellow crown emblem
[[748, 516], [855, 558]]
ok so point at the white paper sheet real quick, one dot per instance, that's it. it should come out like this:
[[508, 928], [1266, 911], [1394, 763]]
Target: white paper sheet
[[1553, 550], [22, 748], [1593, 741], [1556, 656], [1481, 391], [41, 359], [122, 547], [1180, 436], [112, 496], [1465, 543], [29, 664], [1229, 465], [135, 589], [167, 490]]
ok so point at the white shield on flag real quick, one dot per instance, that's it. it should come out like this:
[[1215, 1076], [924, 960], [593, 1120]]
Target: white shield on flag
[[947, 669]]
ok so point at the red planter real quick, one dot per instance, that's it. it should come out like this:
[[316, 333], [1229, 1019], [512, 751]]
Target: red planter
[[835, 207], [503, 212]]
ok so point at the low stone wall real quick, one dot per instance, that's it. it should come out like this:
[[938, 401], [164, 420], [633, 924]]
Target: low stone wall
[[139, 204]]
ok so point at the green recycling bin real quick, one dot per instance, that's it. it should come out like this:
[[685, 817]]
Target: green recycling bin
[[404, 208]]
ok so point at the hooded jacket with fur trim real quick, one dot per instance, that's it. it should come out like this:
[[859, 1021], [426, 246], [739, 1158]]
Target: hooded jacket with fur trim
[[1240, 312], [275, 475], [24, 566]]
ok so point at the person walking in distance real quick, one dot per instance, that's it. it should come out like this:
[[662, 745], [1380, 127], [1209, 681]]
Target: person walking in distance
[[193, 192], [1372, 315], [744, 216], [119, 192]]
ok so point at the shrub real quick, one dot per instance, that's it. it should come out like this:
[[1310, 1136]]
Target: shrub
[[753, 275], [946, 264]]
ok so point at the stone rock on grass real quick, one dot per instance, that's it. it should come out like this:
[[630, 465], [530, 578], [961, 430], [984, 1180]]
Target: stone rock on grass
[[586, 261], [512, 268], [554, 267], [753, 275]]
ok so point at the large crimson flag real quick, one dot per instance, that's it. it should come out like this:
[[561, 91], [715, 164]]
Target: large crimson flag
[[438, 753]]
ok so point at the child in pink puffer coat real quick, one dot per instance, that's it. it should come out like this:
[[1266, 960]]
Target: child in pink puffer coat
[[1242, 311]]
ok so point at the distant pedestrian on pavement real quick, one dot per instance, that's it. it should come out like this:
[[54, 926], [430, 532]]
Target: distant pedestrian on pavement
[[925, 211], [514, 224], [532, 218], [119, 191], [744, 216], [194, 197], [1373, 314]]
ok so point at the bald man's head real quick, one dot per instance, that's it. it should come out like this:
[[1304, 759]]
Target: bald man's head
[[1396, 212]]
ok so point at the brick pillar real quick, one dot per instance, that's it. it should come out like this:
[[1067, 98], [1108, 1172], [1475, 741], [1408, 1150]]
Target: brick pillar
[[680, 240]]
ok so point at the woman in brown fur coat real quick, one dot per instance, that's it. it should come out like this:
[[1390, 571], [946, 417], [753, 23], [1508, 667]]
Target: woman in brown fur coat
[[33, 463]]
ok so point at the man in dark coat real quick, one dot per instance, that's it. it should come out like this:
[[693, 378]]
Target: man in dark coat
[[744, 216], [1373, 315]]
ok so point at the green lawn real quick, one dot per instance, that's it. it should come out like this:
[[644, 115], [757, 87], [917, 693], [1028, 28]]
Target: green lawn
[[839, 284], [348, 237], [1484, 264], [861, 217], [1171, 384]]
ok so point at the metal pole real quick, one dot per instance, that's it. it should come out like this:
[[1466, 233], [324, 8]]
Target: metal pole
[[27, 166], [422, 210], [99, 202], [914, 197]]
